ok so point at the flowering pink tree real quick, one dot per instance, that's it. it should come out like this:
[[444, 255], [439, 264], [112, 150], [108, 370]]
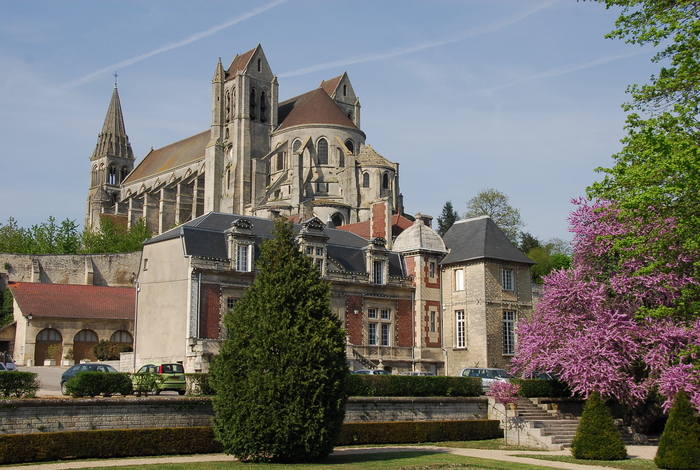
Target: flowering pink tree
[[504, 392], [617, 321]]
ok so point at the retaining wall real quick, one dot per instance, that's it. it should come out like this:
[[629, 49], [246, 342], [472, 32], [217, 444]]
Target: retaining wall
[[29, 416]]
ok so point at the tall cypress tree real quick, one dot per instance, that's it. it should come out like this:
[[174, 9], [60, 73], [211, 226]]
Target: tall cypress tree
[[679, 446], [447, 218], [280, 376]]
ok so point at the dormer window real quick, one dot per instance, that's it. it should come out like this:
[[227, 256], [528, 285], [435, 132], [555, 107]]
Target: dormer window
[[317, 255], [243, 258], [378, 272]]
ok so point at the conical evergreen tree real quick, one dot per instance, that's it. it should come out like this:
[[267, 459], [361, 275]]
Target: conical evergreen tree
[[280, 376], [679, 446], [597, 438], [447, 218]]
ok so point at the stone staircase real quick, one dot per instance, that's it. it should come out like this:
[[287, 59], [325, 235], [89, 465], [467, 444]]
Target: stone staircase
[[542, 426]]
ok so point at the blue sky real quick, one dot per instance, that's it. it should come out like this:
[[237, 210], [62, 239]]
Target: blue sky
[[520, 96]]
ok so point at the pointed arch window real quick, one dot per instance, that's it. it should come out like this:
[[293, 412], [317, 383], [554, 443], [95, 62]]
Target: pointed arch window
[[228, 106], [125, 172], [365, 180], [253, 104], [296, 146], [322, 152], [350, 145], [341, 158], [263, 107], [385, 181], [280, 160], [112, 175]]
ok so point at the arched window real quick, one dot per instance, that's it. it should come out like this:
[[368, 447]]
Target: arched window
[[253, 104], [280, 160], [112, 175], [341, 158], [322, 152], [337, 219], [365, 180], [86, 336], [263, 107], [350, 146], [93, 176], [228, 105], [121, 336], [345, 90], [259, 65], [125, 172], [296, 146], [385, 181], [49, 334]]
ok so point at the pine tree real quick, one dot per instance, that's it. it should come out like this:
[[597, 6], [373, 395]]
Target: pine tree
[[679, 446], [597, 437], [447, 218], [280, 376]]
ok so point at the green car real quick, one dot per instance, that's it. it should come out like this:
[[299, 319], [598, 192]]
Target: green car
[[158, 377]]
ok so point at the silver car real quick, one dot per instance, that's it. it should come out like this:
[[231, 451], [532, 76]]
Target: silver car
[[488, 375]]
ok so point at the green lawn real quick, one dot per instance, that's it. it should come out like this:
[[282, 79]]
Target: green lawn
[[630, 464]]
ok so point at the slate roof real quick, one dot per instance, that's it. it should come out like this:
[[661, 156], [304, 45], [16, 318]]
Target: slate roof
[[172, 156], [74, 301], [480, 238], [314, 107], [205, 237]]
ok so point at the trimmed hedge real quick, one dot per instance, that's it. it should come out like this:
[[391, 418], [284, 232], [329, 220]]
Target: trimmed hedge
[[530, 388], [402, 432], [113, 443], [198, 384], [412, 386], [117, 443], [90, 384], [19, 384]]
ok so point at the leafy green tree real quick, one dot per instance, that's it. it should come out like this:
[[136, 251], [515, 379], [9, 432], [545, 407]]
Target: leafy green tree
[[496, 205], [528, 242], [115, 238], [44, 238], [548, 258], [13, 238], [679, 446], [6, 315], [447, 218], [280, 376], [597, 438]]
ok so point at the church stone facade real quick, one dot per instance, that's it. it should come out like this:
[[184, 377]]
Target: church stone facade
[[304, 157]]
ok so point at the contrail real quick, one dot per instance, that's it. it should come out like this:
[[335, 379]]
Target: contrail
[[174, 45], [479, 31]]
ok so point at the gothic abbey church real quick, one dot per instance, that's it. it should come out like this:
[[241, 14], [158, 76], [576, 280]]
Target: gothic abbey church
[[304, 157]]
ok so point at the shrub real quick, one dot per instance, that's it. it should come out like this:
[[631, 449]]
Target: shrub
[[542, 388], [412, 386], [109, 351], [280, 376], [401, 432], [19, 384], [113, 443], [679, 446], [90, 384], [597, 438], [198, 384], [144, 382]]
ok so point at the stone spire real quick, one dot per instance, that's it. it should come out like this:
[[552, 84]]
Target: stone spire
[[113, 141]]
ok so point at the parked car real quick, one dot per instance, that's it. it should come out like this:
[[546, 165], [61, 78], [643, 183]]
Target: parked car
[[88, 367], [488, 375], [171, 376], [3, 368], [371, 372], [9, 363], [542, 375], [415, 372]]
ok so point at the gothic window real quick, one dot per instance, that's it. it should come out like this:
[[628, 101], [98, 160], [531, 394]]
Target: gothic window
[[365, 180], [337, 219], [228, 106], [296, 145], [263, 108], [345, 90], [385, 181], [253, 104], [125, 173], [280, 160], [341, 158], [112, 175], [350, 145], [322, 152], [93, 176], [233, 102], [259, 65]]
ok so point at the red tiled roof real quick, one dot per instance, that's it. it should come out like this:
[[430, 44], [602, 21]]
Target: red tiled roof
[[330, 85], [172, 156], [314, 107], [399, 223], [240, 62], [74, 301]]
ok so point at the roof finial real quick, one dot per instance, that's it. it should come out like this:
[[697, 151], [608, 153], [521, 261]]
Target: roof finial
[[115, 79]]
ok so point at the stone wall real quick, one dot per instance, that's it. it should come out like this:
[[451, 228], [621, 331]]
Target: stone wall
[[54, 415]]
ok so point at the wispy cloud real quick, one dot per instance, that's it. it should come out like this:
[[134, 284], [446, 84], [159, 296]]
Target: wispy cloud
[[399, 51], [195, 37], [568, 69]]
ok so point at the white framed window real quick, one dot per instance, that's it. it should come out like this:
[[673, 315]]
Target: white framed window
[[460, 329], [230, 303], [378, 272], [508, 333], [507, 279], [459, 279], [372, 334], [432, 269], [243, 258], [386, 334], [385, 314], [372, 313]]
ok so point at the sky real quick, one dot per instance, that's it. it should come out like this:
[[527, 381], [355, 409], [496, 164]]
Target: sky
[[523, 96]]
